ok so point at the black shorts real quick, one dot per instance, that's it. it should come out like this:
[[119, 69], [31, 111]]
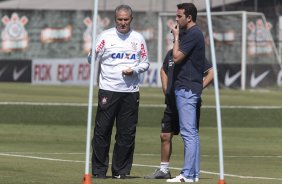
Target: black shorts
[[170, 121]]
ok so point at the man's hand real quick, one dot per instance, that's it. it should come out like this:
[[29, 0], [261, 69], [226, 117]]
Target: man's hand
[[127, 71], [175, 31]]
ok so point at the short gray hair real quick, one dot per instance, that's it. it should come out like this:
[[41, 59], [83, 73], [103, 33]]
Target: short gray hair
[[125, 8]]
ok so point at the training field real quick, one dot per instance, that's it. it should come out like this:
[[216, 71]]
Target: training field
[[43, 136]]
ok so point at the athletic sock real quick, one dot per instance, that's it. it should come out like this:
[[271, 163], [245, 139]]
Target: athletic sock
[[164, 167]]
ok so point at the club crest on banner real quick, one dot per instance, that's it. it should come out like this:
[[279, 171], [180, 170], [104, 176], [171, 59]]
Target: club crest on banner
[[259, 38], [14, 36]]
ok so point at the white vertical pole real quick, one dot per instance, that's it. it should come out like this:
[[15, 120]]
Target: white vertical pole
[[87, 177], [160, 47], [280, 40], [221, 165], [244, 48]]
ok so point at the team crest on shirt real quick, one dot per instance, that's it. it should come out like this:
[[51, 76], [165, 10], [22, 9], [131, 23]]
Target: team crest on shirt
[[134, 45], [104, 100]]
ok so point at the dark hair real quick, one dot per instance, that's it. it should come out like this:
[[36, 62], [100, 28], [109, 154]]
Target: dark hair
[[189, 9], [125, 8]]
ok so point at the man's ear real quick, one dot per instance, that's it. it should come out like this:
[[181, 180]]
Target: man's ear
[[131, 18], [189, 18]]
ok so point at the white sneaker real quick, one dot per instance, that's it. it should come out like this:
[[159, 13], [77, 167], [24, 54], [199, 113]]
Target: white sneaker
[[180, 178], [196, 179]]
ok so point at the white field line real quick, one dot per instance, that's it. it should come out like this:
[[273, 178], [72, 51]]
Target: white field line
[[143, 154], [137, 165], [213, 173], [38, 158], [141, 105]]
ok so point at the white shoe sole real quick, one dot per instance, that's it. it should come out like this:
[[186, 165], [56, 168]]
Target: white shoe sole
[[174, 180]]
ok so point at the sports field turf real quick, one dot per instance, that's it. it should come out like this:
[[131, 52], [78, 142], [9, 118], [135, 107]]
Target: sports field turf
[[43, 136]]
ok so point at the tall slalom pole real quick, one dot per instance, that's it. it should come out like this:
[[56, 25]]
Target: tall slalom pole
[[218, 113], [87, 175]]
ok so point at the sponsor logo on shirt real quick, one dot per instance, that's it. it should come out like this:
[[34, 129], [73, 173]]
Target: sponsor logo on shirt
[[100, 46], [121, 55], [143, 51]]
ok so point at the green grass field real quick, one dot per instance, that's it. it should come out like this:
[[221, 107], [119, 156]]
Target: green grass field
[[43, 136]]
